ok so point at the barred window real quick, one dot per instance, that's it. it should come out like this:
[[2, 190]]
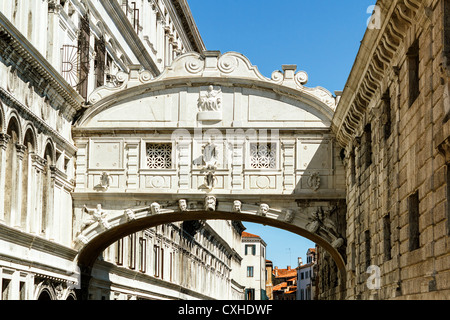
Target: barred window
[[159, 155], [263, 155]]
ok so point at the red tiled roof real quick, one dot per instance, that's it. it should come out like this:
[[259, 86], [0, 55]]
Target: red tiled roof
[[285, 273], [280, 286], [249, 235]]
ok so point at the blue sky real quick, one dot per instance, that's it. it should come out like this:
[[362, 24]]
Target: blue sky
[[320, 37]]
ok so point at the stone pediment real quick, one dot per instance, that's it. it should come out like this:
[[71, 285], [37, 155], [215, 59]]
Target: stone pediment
[[211, 65]]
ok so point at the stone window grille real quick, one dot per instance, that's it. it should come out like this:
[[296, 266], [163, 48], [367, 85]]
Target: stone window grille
[[263, 155], [159, 155]]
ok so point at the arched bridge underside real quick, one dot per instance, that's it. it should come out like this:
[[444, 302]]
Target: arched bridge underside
[[134, 171], [316, 220]]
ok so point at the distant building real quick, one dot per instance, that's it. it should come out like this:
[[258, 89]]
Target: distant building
[[284, 283], [305, 276], [254, 264], [269, 279]]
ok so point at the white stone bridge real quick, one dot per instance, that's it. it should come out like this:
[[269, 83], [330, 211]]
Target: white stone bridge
[[210, 138]]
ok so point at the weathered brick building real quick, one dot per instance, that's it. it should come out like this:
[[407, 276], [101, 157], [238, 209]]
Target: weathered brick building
[[392, 121]]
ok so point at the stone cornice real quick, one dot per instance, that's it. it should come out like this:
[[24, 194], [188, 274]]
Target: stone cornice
[[373, 63], [232, 69], [114, 10], [188, 25], [38, 122], [32, 60]]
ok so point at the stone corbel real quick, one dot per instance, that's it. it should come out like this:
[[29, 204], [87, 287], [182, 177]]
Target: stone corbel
[[20, 150], [4, 139], [38, 163]]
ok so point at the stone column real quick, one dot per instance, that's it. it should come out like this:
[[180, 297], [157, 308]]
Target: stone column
[[37, 165], [17, 187], [237, 164], [4, 139], [160, 39], [184, 168], [132, 151], [288, 162], [81, 165]]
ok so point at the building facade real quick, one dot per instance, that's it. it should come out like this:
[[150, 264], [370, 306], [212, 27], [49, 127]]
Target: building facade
[[47, 78], [392, 123], [254, 263], [284, 284], [306, 277]]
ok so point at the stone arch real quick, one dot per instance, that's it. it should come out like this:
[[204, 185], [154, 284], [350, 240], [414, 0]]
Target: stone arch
[[113, 226], [14, 126], [45, 292], [49, 151], [12, 170], [30, 138], [207, 91]]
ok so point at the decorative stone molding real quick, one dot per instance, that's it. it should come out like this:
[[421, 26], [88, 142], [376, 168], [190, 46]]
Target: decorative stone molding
[[314, 181], [4, 139], [289, 216], [381, 48], [212, 64]]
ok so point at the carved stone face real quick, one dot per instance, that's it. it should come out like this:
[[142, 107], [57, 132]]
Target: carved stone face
[[237, 205], [182, 204], [263, 209], [289, 216], [210, 203], [156, 208]]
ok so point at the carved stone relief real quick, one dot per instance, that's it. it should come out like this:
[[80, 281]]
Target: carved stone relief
[[210, 105], [96, 215]]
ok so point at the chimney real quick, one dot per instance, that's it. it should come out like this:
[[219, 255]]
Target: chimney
[[289, 267], [300, 261]]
